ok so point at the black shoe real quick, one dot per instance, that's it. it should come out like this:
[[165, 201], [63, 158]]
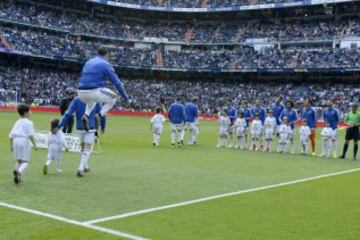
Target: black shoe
[[79, 173], [154, 144], [16, 177], [85, 122], [342, 157], [87, 170], [182, 142]]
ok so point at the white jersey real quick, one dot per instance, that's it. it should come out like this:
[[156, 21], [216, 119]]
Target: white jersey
[[270, 123], [327, 133], [256, 126], [224, 123], [304, 133], [240, 124], [157, 120], [23, 128], [56, 142], [285, 130]]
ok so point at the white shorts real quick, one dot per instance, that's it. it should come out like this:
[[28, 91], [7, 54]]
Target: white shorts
[[223, 131], [256, 134], [190, 126], [304, 141], [269, 133], [176, 127], [86, 137], [54, 154], [158, 129], [96, 95], [240, 132], [21, 149]]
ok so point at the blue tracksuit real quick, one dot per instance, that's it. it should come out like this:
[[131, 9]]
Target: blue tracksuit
[[78, 107], [247, 115], [310, 115], [191, 112], [291, 115], [259, 111], [176, 113], [94, 73], [277, 109], [231, 113], [331, 115]]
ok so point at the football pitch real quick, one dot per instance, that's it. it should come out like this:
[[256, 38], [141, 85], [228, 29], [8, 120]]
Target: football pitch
[[137, 191]]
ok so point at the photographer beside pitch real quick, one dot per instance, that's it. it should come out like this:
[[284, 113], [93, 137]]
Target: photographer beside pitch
[[92, 85], [352, 132]]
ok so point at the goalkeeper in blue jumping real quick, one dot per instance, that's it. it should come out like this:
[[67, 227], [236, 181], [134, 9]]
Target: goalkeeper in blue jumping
[[92, 89]]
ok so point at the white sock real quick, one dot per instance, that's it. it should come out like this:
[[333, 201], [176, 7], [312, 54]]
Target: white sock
[[172, 136], [84, 160], [22, 167], [58, 164], [48, 162], [157, 138], [17, 165], [154, 137], [181, 135], [107, 106]]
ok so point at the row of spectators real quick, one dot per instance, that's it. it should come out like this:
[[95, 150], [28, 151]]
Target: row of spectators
[[196, 32], [46, 87], [43, 43], [202, 3]]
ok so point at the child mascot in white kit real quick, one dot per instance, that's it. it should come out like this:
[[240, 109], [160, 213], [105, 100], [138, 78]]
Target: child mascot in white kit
[[327, 134], [304, 133], [284, 135], [156, 125], [256, 130], [270, 127], [224, 124], [240, 126], [20, 137], [56, 143]]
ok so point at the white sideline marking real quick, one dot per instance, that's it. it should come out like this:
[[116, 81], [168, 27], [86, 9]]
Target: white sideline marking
[[175, 205], [73, 222]]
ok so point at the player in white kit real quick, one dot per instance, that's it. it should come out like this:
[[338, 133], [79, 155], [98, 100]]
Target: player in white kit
[[156, 125], [270, 128], [224, 123], [304, 133], [240, 126], [56, 143], [20, 137], [284, 135], [256, 130], [327, 134]]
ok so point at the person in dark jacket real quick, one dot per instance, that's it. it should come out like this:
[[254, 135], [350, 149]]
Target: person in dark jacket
[[64, 104]]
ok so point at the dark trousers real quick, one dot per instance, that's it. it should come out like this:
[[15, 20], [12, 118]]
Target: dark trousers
[[69, 126]]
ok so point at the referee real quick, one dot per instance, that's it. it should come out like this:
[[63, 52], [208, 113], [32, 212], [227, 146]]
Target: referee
[[352, 132], [64, 104]]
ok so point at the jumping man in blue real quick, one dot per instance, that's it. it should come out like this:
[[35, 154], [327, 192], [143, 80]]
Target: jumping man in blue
[[87, 138], [92, 85]]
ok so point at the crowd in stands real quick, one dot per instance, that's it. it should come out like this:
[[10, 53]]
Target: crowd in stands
[[54, 45], [47, 87], [202, 3], [179, 31]]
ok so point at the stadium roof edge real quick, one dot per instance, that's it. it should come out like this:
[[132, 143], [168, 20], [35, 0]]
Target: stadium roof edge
[[303, 3]]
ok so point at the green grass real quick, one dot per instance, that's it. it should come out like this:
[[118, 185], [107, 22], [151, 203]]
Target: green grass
[[132, 175]]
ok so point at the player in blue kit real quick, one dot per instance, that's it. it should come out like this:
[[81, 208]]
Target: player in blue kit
[[277, 108], [176, 116], [309, 114], [87, 138], [231, 114], [247, 115], [92, 89], [191, 117], [292, 116], [331, 115], [259, 111]]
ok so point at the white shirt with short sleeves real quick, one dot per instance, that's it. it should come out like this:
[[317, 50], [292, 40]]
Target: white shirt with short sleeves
[[20, 133]]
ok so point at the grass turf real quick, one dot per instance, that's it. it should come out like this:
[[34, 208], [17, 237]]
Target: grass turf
[[131, 174]]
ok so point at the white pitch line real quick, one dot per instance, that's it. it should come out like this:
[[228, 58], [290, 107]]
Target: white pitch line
[[175, 205], [73, 222]]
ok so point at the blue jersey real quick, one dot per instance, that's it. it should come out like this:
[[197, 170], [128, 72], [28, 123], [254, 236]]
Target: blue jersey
[[291, 115], [231, 113], [191, 112], [331, 115], [94, 73], [78, 107], [176, 113], [277, 109], [259, 111], [310, 115], [247, 115]]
